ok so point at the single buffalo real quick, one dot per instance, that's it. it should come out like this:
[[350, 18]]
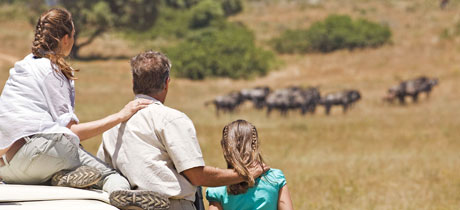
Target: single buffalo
[[280, 99], [345, 98], [256, 95], [227, 103], [412, 88]]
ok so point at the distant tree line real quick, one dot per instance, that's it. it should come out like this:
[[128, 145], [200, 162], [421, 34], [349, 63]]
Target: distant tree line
[[92, 18], [200, 41], [335, 32]]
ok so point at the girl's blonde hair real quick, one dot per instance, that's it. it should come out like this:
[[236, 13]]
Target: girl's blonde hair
[[240, 144], [51, 27]]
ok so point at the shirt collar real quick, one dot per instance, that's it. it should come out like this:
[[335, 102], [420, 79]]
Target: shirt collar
[[146, 97]]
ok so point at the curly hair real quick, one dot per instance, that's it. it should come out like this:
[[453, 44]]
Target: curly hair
[[150, 71], [51, 27], [240, 144]]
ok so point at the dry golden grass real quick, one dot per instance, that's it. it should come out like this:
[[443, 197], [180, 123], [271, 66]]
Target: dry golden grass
[[377, 156]]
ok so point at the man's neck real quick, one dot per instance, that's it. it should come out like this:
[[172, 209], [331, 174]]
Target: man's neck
[[150, 97], [159, 97]]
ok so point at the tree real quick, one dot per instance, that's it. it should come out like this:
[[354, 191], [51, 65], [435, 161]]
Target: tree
[[94, 17], [228, 51]]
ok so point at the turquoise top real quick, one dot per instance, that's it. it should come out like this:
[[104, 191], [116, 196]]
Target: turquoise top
[[264, 194]]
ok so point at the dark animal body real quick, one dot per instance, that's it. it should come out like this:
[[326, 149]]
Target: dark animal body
[[256, 95], [227, 103], [293, 98], [412, 88], [345, 98], [443, 3]]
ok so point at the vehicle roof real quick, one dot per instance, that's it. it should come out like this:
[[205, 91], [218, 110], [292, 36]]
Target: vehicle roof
[[37, 197]]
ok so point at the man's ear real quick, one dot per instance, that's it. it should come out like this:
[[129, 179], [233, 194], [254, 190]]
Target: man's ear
[[167, 83]]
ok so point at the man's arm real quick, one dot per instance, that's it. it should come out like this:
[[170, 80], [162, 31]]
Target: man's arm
[[213, 177]]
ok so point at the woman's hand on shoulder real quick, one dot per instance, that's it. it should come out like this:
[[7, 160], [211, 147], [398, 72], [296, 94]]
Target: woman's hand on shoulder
[[132, 107]]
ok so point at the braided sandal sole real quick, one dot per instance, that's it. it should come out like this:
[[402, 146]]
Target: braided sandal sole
[[138, 200], [82, 177]]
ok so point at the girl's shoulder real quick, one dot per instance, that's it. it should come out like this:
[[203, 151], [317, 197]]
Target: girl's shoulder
[[273, 172], [274, 177], [216, 193]]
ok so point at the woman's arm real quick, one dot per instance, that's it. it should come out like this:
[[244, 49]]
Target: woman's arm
[[215, 206], [89, 129], [284, 199]]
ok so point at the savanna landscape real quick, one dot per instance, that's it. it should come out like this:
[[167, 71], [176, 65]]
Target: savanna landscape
[[376, 156]]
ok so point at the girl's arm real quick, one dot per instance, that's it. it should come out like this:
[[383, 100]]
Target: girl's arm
[[284, 199], [89, 129], [215, 206]]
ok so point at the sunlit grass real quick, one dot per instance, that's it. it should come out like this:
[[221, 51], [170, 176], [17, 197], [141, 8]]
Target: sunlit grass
[[377, 156]]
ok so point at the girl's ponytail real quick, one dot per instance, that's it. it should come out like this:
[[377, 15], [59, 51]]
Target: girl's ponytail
[[241, 151]]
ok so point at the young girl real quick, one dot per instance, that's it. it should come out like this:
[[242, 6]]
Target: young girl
[[240, 144], [39, 132]]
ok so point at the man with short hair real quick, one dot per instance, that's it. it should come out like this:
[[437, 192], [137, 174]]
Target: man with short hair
[[157, 148]]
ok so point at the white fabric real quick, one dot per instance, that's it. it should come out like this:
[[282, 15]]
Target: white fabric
[[58, 205], [15, 193], [36, 99], [152, 148]]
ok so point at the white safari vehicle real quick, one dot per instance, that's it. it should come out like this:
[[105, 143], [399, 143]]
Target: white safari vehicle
[[36, 197]]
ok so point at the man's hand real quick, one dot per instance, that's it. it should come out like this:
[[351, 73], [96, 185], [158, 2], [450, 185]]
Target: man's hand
[[258, 169]]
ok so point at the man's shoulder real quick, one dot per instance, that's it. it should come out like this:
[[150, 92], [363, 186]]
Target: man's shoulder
[[167, 113]]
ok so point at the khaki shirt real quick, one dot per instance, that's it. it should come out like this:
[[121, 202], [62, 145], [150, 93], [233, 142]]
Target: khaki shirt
[[152, 148]]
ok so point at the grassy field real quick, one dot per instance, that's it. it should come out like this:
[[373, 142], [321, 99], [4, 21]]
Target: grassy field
[[377, 156]]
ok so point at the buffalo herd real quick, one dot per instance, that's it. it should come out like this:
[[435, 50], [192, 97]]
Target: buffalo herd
[[307, 99], [283, 100]]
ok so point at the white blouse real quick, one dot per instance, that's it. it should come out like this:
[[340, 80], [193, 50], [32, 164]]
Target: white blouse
[[36, 99]]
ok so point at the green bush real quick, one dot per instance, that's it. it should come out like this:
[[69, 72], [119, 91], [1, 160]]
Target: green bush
[[335, 32], [232, 7], [178, 19], [181, 3], [291, 41], [205, 12], [228, 51]]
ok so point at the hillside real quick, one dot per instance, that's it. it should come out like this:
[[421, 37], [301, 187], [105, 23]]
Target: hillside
[[377, 156]]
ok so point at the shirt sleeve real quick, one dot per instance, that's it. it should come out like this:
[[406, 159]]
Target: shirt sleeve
[[182, 145], [212, 194], [281, 179], [59, 95]]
